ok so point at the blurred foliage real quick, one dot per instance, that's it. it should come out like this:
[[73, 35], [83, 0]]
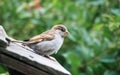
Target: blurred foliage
[[93, 45], [3, 70]]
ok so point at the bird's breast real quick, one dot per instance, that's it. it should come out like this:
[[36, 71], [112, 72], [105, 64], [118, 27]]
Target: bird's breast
[[58, 41]]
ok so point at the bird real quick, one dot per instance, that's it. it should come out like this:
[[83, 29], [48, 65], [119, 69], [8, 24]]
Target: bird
[[48, 42]]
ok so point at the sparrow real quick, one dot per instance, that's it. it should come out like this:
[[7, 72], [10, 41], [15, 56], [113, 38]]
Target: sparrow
[[48, 42]]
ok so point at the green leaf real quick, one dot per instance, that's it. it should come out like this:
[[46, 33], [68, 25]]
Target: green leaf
[[74, 60], [25, 14], [116, 12], [108, 59], [108, 72], [2, 69]]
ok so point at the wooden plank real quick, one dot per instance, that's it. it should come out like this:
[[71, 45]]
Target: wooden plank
[[2, 37], [14, 72], [21, 67], [15, 50]]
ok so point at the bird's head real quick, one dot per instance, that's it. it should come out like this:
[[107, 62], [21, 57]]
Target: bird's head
[[60, 29]]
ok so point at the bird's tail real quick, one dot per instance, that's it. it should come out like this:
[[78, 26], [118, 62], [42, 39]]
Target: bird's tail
[[24, 42], [17, 41]]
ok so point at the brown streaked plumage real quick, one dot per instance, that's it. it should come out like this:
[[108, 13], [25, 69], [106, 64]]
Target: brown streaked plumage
[[48, 35]]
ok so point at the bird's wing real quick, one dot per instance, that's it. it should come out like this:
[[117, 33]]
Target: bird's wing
[[48, 35]]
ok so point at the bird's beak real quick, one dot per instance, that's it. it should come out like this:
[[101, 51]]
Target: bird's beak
[[66, 32]]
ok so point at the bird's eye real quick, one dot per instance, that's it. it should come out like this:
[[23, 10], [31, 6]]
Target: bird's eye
[[62, 29]]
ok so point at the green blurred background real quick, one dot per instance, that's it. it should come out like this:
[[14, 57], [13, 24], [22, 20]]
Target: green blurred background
[[93, 45]]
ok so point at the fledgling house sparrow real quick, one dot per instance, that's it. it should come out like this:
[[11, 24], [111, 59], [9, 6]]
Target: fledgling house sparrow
[[48, 42]]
